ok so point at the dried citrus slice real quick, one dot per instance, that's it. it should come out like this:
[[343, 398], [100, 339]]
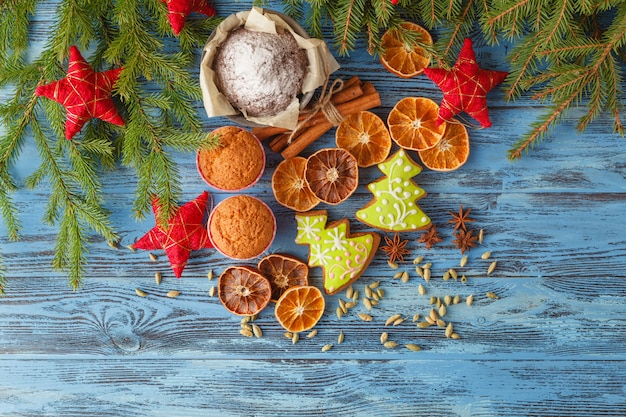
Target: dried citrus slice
[[289, 186], [412, 123], [450, 152], [300, 308], [365, 136], [283, 272], [243, 290], [402, 58], [332, 174]]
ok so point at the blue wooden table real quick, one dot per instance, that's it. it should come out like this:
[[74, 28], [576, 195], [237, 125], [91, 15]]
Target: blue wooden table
[[552, 344]]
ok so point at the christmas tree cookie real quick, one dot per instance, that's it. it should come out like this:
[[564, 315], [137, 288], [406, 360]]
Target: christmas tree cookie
[[393, 207], [342, 256]]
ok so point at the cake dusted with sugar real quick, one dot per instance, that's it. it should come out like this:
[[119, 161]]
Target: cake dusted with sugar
[[260, 73]]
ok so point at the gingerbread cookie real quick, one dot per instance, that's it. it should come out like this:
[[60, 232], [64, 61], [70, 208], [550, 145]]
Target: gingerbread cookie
[[393, 207], [342, 256]]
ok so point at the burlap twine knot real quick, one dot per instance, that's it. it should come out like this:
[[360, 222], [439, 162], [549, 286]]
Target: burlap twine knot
[[324, 105]]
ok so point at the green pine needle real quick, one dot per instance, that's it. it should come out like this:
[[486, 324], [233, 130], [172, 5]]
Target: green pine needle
[[565, 53], [157, 93]]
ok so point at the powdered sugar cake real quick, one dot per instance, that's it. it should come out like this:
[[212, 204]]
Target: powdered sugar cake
[[260, 73]]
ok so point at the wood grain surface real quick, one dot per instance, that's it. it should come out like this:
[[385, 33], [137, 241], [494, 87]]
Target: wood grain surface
[[553, 344]]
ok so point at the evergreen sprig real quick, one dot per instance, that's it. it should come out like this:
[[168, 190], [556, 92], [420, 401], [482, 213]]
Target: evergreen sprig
[[565, 52], [156, 93]]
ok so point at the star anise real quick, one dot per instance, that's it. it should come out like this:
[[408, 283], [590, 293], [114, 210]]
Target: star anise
[[395, 249], [430, 237], [459, 219], [465, 240]]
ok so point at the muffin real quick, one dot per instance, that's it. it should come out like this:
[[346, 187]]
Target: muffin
[[241, 227], [237, 163], [260, 73]]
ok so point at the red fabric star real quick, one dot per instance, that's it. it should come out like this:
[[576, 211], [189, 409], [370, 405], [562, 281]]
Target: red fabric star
[[465, 87], [84, 93], [178, 10], [186, 232]]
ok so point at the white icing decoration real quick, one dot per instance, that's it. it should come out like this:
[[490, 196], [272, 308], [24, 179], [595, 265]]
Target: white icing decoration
[[319, 256], [337, 239], [307, 227], [343, 258], [393, 196]]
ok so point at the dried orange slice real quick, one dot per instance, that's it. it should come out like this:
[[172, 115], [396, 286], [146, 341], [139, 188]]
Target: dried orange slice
[[290, 187], [412, 123], [332, 174], [365, 136], [450, 152], [402, 58], [283, 272], [300, 308], [243, 290]]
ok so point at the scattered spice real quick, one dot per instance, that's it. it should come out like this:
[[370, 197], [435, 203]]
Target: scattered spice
[[430, 237], [492, 295], [365, 317], [413, 347], [392, 318], [459, 219], [464, 240], [395, 249], [140, 292]]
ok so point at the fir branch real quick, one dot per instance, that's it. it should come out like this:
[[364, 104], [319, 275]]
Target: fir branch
[[74, 212], [349, 22], [463, 23]]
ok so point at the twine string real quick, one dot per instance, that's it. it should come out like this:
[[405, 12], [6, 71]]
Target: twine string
[[324, 105]]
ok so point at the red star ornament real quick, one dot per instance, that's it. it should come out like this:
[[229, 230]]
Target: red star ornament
[[465, 87], [178, 10], [186, 232], [84, 93]]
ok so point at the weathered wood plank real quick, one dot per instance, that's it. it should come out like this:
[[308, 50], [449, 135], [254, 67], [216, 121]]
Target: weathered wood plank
[[551, 345], [305, 388], [534, 318]]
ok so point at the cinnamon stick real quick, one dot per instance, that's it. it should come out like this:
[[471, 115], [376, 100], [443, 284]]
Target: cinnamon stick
[[311, 134], [350, 91], [367, 101]]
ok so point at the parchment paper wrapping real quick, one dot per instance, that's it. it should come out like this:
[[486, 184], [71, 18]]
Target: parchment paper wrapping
[[321, 64]]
